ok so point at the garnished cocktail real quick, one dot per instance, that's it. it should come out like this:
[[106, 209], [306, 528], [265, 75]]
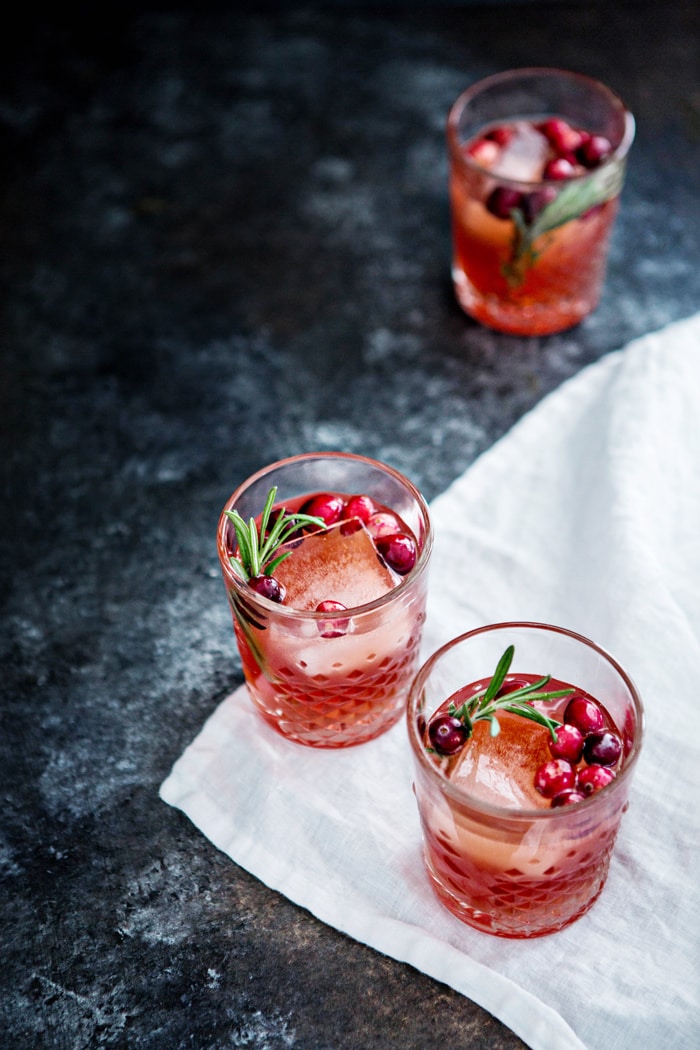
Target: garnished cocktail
[[521, 776], [537, 159], [325, 561]]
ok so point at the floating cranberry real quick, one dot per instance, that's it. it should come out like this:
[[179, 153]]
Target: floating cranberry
[[398, 551], [567, 798], [594, 150], [361, 507], [594, 778], [349, 526], [558, 169], [562, 137], [510, 685], [533, 203], [447, 734], [332, 628], [554, 777], [501, 135], [483, 152], [568, 745], [382, 524], [268, 587], [325, 506], [602, 749], [502, 201], [585, 714]]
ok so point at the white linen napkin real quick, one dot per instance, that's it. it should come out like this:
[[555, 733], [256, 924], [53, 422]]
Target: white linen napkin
[[586, 514]]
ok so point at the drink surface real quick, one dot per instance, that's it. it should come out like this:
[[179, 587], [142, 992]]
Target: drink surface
[[502, 770]]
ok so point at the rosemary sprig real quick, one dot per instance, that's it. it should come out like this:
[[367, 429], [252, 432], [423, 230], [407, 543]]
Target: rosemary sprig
[[257, 553], [573, 199], [485, 705]]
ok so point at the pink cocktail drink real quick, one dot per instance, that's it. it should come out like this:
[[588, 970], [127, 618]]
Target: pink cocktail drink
[[329, 637], [519, 821], [537, 160]]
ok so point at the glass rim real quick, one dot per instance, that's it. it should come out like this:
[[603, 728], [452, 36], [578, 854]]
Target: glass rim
[[458, 156], [311, 615], [488, 809]]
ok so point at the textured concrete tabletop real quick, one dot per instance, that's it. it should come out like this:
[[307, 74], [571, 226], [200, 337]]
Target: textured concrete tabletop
[[225, 239]]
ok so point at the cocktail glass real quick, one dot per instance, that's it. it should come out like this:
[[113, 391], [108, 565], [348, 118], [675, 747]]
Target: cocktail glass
[[322, 687], [499, 867], [530, 241]]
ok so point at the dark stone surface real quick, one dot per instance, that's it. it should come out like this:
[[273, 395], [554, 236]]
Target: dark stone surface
[[224, 240]]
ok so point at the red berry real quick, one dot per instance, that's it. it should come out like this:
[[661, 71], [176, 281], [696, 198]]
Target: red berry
[[593, 778], [483, 152], [447, 734], [350, 526], [382, 524], [501, 135], [510, 685], [602, 749], [585, 714], [332, 628], [502, 201], [554, 777], [558, 169], [594, 150], [569, 743], [534, 203], [398, 551], [567, 798], [562, 137], [361, 507], [268, 587], [324, 505]]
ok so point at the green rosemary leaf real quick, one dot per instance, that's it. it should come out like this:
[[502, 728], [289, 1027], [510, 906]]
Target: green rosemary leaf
[[499, 675], [257, 549]]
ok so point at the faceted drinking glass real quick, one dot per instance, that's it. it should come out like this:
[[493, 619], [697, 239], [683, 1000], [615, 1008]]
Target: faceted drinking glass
[[319, 687], [530, 237], [501, 868]]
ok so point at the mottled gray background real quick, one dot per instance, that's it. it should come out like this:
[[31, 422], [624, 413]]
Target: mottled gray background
[[224, 239]]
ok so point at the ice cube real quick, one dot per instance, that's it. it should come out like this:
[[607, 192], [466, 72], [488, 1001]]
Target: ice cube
[[501, 770], [524, 156], [337, 564]]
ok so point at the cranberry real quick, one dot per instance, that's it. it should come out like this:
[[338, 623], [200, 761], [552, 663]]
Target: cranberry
[[382, 524], [501, 201], [554, 777], [569, 743], [567, 798], [483, 152], [510, 685], [296, 533], [534, 203], [332, 628], [558, 169], [501, 135], [562, 137], [593, 778], [398, 551], [268, 587], [447, 734], [602, 749], [324, 505], [594, 150], [349, 527], [585, 714], [361, 507]]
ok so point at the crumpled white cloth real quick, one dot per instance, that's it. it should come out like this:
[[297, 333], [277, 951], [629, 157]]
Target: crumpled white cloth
[[586, 514]]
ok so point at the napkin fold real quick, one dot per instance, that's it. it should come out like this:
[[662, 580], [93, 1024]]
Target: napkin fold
[[586, 514]]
